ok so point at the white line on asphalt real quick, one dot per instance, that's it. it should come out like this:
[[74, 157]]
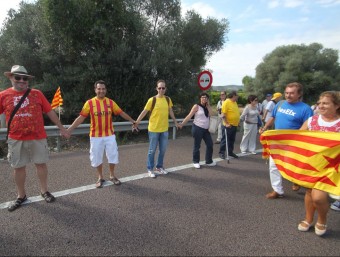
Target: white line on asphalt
[[107, 183]]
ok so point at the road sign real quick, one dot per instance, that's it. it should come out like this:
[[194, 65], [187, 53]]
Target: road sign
[[205, 80]]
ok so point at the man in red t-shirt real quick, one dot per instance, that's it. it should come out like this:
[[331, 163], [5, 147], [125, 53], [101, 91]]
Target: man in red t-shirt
[[27, 137]]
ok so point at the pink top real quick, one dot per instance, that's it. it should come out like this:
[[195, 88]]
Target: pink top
[[200, 119], [317, 123]]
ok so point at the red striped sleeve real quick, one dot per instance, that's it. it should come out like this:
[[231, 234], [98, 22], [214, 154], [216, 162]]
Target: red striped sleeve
[[93, 119]]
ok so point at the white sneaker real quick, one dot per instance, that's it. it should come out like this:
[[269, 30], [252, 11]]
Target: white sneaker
[[211, 164], [161, 170], [197, 165], [151, 174], [253, 152], [335, 206], [244, 152]]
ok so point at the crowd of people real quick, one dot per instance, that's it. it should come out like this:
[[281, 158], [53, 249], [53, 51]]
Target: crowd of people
[[24, 109]]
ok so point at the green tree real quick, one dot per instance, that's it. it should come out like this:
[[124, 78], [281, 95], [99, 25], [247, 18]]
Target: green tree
[[315, 67], [128, 43]]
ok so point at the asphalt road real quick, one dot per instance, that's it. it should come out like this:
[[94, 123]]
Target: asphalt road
[[212, 211]]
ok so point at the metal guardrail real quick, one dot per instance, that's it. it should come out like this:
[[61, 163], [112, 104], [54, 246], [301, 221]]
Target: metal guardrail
[[83, 129]]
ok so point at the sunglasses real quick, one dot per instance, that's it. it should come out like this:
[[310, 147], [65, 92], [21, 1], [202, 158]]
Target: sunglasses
[[161, 88], [18, 78]]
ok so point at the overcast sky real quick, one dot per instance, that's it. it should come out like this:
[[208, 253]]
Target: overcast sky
[[257, 27]]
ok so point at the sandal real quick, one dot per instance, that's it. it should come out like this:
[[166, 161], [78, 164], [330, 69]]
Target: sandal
[[304, 226], [319, 231], [99, 183], [115, 181], [17, 203], [295, 187], [49, 198]]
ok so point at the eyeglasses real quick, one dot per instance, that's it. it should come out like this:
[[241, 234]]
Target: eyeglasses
[[18, 78], [161, 88]]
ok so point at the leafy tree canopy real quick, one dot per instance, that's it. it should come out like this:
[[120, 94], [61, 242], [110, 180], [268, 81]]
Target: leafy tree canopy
[[315, 67], [128, 43]]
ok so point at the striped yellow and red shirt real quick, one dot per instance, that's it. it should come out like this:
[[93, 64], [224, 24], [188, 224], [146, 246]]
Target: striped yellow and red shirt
[[100, 111]]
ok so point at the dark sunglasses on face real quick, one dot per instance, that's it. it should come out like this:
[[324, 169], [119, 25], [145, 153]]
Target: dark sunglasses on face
[[18, 78], [161, 88]]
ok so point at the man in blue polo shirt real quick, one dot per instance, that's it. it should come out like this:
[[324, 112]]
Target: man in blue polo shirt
[[288, 114]]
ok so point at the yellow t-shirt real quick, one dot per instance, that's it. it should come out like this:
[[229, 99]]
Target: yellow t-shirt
[[101, 112], [231, 112], [159, 119]]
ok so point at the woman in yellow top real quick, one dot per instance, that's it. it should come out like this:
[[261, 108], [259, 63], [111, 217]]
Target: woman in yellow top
[[160, 107]]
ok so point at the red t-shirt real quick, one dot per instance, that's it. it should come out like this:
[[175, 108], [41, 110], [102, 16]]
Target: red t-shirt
[[28, 122]]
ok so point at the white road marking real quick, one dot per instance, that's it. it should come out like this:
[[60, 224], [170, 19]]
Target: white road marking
[[108, 183]]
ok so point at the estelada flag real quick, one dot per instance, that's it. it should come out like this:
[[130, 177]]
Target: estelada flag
[[308, 158], [57, 99]]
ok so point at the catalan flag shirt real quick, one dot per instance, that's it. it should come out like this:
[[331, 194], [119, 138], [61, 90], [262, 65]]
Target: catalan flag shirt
[[100, 111], [28, 122]]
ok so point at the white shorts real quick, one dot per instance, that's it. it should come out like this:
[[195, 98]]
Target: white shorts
[[100, 144]]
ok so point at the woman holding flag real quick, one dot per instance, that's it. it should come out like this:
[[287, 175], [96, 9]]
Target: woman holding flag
[[328, 120]]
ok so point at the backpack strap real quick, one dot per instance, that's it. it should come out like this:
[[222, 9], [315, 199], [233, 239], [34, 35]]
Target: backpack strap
[[16, 108], [154, 103]]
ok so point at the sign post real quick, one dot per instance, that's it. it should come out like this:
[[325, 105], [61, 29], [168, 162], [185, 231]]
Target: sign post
[[205, 80]]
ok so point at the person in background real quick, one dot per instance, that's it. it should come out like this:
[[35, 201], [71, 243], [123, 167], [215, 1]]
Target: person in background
[[200, 130], [328, 119], [289, 114], [219, 110], [266, 101], [249, 117], [231, 119], [160, 107], [315, 108], [27, 136], [102, 137], [268, 110]]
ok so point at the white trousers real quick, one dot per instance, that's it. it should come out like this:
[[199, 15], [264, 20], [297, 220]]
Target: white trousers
[[275, 177], [249, 137], [219, 130]]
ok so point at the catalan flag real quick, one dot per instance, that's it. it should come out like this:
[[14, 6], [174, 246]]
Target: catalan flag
[[308, 158], [57, 99]]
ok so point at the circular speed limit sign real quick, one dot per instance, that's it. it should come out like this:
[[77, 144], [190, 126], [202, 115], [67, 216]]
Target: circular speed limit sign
[[205, 80]]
